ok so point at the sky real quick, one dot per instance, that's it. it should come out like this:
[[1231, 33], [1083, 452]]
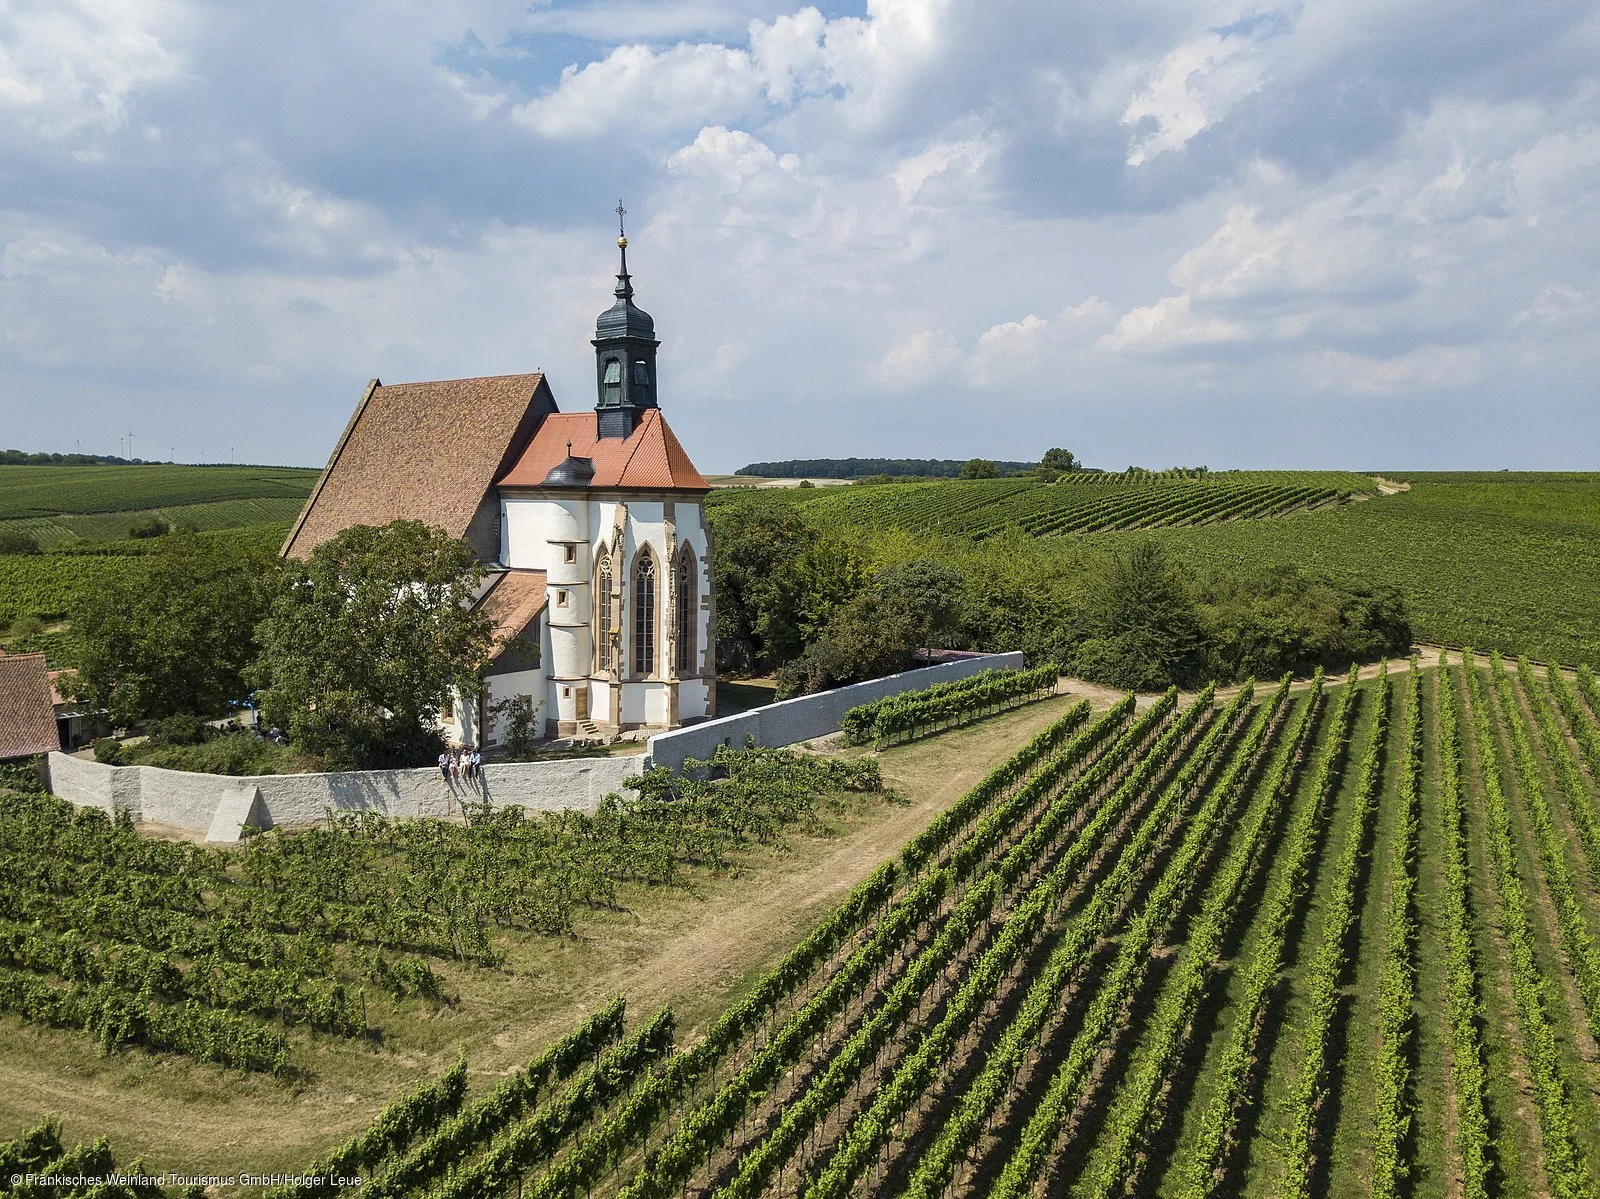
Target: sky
[[1353, 234]]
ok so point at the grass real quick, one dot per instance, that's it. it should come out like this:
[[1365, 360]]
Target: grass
[[695, 950]]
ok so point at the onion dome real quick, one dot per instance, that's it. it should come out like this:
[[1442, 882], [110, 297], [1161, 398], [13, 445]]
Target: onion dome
[[570, 472]]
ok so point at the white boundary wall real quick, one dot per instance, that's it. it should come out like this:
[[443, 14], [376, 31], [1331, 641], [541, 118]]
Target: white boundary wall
[[218, 804], [792, 720]]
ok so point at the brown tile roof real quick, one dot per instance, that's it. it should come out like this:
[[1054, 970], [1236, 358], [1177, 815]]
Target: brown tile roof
[[650, 459], [511, 603], [27, 719], [422, 451]]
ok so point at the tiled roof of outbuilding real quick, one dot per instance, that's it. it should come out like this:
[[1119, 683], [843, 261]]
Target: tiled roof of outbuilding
[[27, 718], [649, 459], [422, 451], [511, 603]]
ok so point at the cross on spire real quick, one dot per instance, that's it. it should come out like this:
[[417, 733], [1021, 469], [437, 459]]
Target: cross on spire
[[621, 212]]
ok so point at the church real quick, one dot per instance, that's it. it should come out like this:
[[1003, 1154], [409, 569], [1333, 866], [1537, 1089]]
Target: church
[[591, 527]]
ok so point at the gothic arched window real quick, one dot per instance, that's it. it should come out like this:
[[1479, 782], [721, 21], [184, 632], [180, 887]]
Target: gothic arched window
[[683, 617], [605, 612], [644, 614]]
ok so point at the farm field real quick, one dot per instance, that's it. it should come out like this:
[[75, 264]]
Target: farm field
[[695, 946], [84, 514], [1292, 941], [1076, 503], [34, 491], [1501, 560]]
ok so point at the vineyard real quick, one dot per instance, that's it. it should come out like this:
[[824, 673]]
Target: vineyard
[[1080, 502], [42, 491], [64, 529], [945, 705], [1324, 940], [1540, 532], [84, 513], [238, 957]]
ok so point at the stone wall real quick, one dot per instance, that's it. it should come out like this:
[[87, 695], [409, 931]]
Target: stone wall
[[794, 720], [217, 805]]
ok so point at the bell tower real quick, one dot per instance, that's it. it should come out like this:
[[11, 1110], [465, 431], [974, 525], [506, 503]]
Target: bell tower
[[625, 353]]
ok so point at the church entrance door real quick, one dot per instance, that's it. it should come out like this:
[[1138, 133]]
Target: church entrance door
[[583, 703]]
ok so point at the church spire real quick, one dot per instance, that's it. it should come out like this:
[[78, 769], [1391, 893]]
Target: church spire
[[625, 352], [624, 280]]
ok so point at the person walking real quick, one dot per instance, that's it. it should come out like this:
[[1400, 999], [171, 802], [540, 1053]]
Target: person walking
[[444, 766]]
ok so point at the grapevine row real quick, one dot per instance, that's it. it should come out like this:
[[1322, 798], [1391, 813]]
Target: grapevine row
[[1563, 1164], [534, 1141], [1107, 1009], [1583, 730], [757, 1166], [1142, 1102], [1022, 1036], [456, 1138], [1328, 963], [982, 980], [1574, 934], [1397, 985], [1233, 1078], [708, 1125], [1461, 955], [900, 717]]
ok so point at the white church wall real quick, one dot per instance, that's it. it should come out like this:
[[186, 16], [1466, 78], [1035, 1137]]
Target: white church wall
[[692, 698], [191, 801], [533, 683], [601, 697]]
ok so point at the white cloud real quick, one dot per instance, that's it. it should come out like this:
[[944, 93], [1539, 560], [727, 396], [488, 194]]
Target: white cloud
[[916, 360], [71, 65], [638, 87], [1424, 368], [1169, 324], [1188, 91], [830, 213]]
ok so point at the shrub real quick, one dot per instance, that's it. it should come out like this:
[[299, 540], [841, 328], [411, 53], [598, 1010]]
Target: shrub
[[177, 730], [225, 753], [15, 541], [109, 751], [154, 527]]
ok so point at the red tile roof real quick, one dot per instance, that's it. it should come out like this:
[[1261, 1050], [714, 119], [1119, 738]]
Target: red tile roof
[[27, 718], [511, 603], [650, 459], [55, 677], [423, 451]]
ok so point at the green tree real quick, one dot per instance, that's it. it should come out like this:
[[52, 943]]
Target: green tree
[[367, 641], [1060, 460], [979, 468], [906, 607], [14, 541], [756, 548], [174, 633], [1143, 632]]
